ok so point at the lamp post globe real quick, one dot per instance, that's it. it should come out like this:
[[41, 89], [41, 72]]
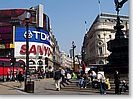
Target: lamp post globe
[[27, 16]]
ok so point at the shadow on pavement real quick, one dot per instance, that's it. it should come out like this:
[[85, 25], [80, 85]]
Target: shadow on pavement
[[50, 89], [13, 88]]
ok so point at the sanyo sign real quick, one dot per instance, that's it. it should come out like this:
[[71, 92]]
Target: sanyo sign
[[35, 35]]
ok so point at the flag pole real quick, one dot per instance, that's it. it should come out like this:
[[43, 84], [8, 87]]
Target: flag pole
[[99, 5], [85, 26]]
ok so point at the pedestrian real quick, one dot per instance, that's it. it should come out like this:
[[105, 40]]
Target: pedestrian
[[17, 72], [63, 77], [74, 76], [11, 75], [85, 80], [20, 78], [101, 82], [57, 78], [83, 67], [93, 74], [116, 81], [68, 77], [107, 82], [81, 82]]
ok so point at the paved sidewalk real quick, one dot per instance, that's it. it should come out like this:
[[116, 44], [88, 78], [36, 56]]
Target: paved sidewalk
[[11, 88], [47, 87]]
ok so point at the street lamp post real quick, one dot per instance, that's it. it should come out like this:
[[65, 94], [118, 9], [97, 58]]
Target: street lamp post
[[83, 53], [73, 47], [27, 48], [14, 22], [3, 71]]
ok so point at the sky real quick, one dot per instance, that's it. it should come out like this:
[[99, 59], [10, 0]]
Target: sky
[[67, 17]]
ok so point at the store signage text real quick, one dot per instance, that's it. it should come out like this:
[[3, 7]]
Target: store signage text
[[38, 35], [36, 49]]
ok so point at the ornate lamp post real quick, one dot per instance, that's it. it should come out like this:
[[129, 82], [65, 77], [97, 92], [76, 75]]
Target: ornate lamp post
[[27, 17], [73, 47]]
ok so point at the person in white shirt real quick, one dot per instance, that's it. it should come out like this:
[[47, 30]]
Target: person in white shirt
[[68, 77], [101, 81], [94, 75]]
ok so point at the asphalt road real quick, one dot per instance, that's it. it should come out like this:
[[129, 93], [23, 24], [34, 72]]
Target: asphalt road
[[47, 87]]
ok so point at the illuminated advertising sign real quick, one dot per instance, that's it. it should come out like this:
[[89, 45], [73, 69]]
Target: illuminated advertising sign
[[35, 35], [6, 35], [35, 49], [39, 42]]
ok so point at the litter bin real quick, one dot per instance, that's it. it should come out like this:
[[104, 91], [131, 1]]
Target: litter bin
[[29, 87]]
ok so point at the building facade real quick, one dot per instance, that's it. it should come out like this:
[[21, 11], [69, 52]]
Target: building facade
[[66, 60], [13, 37], [94, 49], [56, 53]]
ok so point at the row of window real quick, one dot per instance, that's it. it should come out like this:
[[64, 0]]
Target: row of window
[[100, 35]]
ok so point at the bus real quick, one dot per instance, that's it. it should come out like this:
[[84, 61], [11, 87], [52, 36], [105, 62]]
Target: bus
[[6, 70]]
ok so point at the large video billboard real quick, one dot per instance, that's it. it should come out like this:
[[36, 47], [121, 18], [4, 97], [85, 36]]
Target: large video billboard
[[39, 42], [35, 35]]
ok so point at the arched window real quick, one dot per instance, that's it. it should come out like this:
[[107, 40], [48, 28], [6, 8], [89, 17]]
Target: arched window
[[100, 50], [99, 36]]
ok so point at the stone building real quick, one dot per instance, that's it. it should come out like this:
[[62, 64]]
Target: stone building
[[94, 49], [66, 60]]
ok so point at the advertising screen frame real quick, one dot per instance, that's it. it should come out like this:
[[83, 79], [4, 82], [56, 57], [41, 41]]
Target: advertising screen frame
[[6, 34], [39, 45]]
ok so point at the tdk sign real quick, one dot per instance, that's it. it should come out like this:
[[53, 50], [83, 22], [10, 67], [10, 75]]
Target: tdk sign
[[34, 35], [43, 36], [30, 35]]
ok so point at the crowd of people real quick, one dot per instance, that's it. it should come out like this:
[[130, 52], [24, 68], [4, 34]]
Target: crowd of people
[[92, 78], [96, 80], [63, 77]]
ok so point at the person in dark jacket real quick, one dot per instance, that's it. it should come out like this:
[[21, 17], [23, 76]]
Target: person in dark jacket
[[20, 78], [116, 82], [57, 78]]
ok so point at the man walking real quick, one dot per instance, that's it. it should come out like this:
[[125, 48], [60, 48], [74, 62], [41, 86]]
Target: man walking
[[20, 78], [116, 81], [57, 78]]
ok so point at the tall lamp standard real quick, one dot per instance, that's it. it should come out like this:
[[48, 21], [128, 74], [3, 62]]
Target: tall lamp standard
[[13, 22], [27, 17], [3, 72], [73, 47]]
